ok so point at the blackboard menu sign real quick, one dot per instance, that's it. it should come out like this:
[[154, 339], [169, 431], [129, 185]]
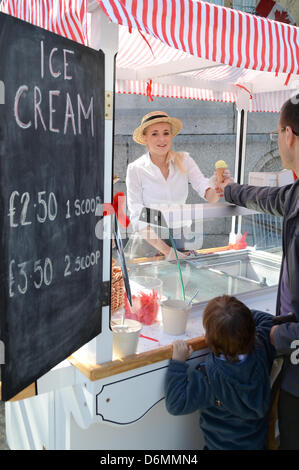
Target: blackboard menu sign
[[51, 180]]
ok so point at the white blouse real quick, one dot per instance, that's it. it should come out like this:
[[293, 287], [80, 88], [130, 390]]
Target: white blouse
[[147, 187]]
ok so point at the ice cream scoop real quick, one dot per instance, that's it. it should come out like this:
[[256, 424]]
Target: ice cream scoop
[[220, 166]]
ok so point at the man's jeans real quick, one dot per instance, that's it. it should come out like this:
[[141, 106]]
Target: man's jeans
[[288, 419]]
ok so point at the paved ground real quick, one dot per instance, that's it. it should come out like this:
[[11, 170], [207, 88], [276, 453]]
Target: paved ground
[[3, 445]]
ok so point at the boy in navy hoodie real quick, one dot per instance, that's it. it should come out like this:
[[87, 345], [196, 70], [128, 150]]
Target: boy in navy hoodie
[[232, 388]]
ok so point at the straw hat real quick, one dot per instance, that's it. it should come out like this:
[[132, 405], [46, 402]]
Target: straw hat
[[153, 118]]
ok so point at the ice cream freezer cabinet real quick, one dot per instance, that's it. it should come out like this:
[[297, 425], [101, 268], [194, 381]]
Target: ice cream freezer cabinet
[[118, 403]]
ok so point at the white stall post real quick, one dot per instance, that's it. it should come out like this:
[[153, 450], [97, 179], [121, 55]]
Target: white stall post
[[242, 105]]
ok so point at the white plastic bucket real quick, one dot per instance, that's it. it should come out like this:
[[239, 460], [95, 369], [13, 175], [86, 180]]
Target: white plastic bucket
[[125, 337], [175, 316]]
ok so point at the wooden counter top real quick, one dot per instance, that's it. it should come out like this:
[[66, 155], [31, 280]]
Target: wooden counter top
[[107, 369]]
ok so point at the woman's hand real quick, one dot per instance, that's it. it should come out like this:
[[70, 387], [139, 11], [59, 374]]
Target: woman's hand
[[171, 255], [212, 195], [181, 351], [219, 187]]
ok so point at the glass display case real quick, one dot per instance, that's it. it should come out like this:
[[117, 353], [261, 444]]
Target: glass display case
[[229, 272], [223, 262]]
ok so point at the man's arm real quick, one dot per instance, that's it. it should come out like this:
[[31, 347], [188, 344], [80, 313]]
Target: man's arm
[[263, 199], [282, 337]]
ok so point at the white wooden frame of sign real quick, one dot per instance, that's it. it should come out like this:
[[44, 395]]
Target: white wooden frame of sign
[[125, 404]]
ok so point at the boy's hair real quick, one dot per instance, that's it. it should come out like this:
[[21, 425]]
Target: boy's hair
[[289, 114], [230, 328]]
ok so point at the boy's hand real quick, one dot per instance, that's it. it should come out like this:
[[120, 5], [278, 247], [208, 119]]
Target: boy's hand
[[181, 351]]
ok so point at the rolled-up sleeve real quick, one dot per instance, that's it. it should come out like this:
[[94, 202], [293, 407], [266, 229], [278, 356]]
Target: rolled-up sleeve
[[198, 181]]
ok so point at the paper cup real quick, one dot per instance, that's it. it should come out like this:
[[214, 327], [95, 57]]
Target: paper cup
[[174, 316], [125, 337]]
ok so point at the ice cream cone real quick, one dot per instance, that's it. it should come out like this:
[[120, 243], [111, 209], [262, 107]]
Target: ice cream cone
[[220, 167], [219, 174]]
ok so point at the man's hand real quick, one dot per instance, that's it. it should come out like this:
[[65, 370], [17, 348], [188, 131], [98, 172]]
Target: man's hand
[[219, 187], [181, 351], [272, 334], [227, 180]]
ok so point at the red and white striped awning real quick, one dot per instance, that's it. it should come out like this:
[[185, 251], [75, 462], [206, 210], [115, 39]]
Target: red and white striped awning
[[212, 32], [197, 50], [188, 49], [64, 17], [154, 69]]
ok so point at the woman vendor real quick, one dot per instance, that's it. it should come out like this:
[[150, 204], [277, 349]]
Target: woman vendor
[[160, 177]]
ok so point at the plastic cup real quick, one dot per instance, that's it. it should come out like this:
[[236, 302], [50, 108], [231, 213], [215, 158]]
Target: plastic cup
[[125, 337], [146, 294], [175, 316], [147, 284]]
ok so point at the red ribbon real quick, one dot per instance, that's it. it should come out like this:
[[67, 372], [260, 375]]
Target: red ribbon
[[144, 38], [117, 207], [288, 79], [149, 90], [246, 89]]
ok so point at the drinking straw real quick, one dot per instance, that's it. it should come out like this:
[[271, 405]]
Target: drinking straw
[[148, 337], [178, 264]]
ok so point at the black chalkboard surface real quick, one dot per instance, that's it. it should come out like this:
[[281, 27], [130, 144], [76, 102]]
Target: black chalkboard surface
[[51, 179]]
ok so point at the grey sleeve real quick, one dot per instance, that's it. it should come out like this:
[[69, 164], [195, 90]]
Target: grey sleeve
[[260, 198], [286, 337]]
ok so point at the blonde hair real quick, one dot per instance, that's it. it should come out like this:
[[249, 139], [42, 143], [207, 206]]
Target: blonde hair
[[177, 159]]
